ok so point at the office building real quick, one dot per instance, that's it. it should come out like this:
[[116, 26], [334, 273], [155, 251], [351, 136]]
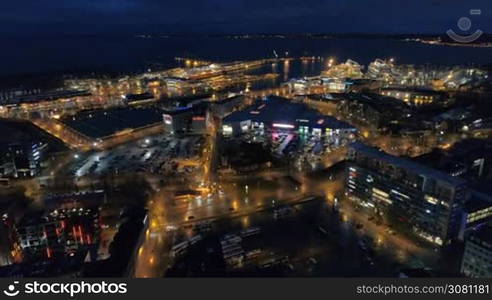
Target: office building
[[46, 235], [477, 258], [427, 202], [188, 119], [477, 212], [417, 97], [19, 160]]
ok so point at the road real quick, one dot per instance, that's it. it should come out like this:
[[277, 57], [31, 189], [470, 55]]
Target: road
[[240, 196]]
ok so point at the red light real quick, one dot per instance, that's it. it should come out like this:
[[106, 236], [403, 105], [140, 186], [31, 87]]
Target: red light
[[81, 235]]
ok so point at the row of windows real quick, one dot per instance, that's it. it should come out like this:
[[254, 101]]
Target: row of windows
[[475, 271]]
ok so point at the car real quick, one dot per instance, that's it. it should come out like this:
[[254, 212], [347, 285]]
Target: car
[[362, 245], [369, 260]]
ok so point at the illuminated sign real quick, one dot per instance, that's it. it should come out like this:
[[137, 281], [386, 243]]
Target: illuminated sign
[[168, 120], [226, 129], [286, 126]]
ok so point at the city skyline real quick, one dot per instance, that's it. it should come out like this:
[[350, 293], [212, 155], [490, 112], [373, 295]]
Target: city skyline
[[215, 152]]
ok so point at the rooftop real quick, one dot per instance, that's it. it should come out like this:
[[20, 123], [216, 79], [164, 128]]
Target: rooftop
[[379, 102], [138, 97], [477, 201], [281, 110], [484, 234], [407, 164], [104, 123], [227, 100]]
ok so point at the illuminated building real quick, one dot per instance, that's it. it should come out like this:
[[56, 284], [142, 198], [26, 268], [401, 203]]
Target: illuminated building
[[188, 119], [477, 258], [177, 121], [222, 108], [383, 70], [416, 97], [97, 127], [18, 98], [47, 235], [6, 95], [273, 114], [42, 103], [138, 99], [307, 85], [176, 85], [468, 159], [375, 109], [428, 202], [477, 212], [336, 85], [426, 76], [349, 69], [21, 159], [301, 86]]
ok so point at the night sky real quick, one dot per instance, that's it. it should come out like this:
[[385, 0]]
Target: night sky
[[238, 16]]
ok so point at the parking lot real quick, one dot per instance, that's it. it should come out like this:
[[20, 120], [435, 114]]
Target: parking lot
[[306, 151], [161, 154]]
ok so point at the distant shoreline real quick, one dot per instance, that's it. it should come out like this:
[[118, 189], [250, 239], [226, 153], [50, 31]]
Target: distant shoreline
[[452, 44]]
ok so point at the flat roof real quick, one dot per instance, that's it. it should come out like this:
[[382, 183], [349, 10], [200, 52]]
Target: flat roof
[[483, 187], [139, 97], [407, 164], [281, 110], [178, 110], [484, 234], [227, 100], [477, 201], [378, 102], [270, 109], [103, 123]]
